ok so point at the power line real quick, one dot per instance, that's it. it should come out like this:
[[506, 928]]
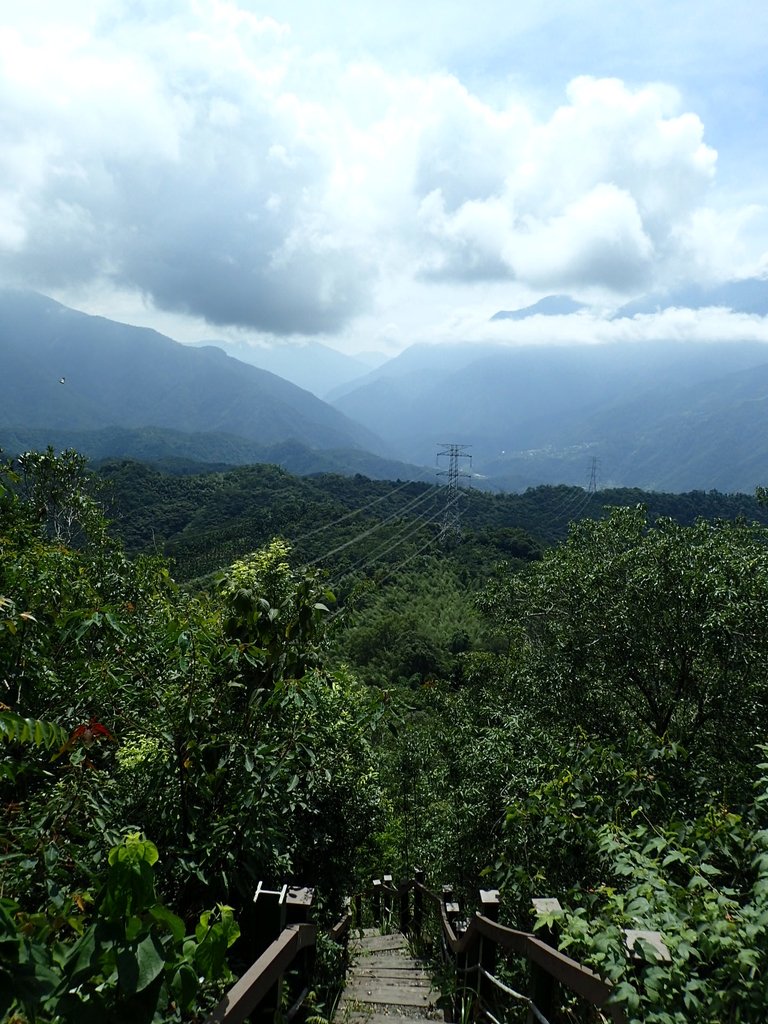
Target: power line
[[295, 541], [410, 558], [366, 533], [363, 564], [394, 569]]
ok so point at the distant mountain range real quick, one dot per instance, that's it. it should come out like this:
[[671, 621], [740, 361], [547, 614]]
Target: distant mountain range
[[550, 305], [663, 416], [748, 295], [179, 452], [64, 370]]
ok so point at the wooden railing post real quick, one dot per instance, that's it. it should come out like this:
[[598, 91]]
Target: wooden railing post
[[487, 956], [544, 988], [376, 901], [358, 910], [418, 902], [387, 888], [298, 907], [269, 910], [404, 893], [452, 911]]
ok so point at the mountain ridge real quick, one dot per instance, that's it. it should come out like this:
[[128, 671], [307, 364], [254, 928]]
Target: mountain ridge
[[77, 372]]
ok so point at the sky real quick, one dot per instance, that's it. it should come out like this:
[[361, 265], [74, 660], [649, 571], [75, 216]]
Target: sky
[[374, 175]]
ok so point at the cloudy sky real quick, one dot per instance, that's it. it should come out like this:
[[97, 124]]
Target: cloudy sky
[[377, 174]]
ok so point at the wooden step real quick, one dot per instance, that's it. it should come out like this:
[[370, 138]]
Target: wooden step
[[405, 963], [385, 985], [405, 974], [375, 1017], [369, 990], [378, 943]]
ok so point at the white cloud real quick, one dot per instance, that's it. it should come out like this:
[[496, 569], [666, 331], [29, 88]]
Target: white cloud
[[591, 328], [602, 193], [208, 159]]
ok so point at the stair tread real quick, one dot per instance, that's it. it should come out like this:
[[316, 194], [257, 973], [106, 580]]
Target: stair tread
[[385, 984], [382, 1017]]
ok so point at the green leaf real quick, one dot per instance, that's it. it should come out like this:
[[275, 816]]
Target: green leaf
[[14, 728], [174, 924], [81, 958], [184, 986], [139, 965]]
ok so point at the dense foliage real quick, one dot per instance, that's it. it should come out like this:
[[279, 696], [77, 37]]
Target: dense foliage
[[207, 519], [164, 752], [582, 721]]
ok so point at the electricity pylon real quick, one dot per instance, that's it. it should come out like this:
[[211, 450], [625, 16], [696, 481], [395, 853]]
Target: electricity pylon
[[451, 524], [592, 488]]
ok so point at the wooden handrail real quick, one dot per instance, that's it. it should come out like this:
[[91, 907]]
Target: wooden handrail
[[340, 929], [245, 995], [575, 976]]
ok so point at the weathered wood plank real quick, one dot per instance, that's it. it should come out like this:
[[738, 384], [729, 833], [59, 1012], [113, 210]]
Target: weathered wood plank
[[407, 974], [361, 1017], [366, 961], [381, 942], [368, 991]]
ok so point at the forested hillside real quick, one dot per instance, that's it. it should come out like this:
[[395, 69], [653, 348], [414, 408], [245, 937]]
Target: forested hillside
[[203, 520], [559, 712]]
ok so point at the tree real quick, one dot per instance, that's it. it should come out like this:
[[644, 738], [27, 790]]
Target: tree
[[205, 723], [660, 627]]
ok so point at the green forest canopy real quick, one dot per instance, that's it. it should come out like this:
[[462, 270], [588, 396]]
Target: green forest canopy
[[582, 721]]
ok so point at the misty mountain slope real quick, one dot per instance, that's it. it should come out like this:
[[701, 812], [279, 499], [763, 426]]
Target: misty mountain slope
[[117, 375], [410, 365], [312, 366], [748, 295], [514, 398], [713, 430], [177, 448], [536, 415], [709, 435]]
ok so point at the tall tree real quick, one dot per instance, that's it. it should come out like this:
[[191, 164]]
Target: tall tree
[[658, 627]]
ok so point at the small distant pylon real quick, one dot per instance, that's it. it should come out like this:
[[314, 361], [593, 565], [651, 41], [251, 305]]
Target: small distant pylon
[[454, 453], [592, 486]]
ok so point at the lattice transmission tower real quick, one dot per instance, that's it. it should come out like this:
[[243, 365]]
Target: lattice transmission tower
[[454, 453], [592, 487]]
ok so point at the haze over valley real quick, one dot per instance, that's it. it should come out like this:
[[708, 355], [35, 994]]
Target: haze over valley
[[669, 415]]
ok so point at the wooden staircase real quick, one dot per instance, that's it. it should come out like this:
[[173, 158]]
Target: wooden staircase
[[385, 984]]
